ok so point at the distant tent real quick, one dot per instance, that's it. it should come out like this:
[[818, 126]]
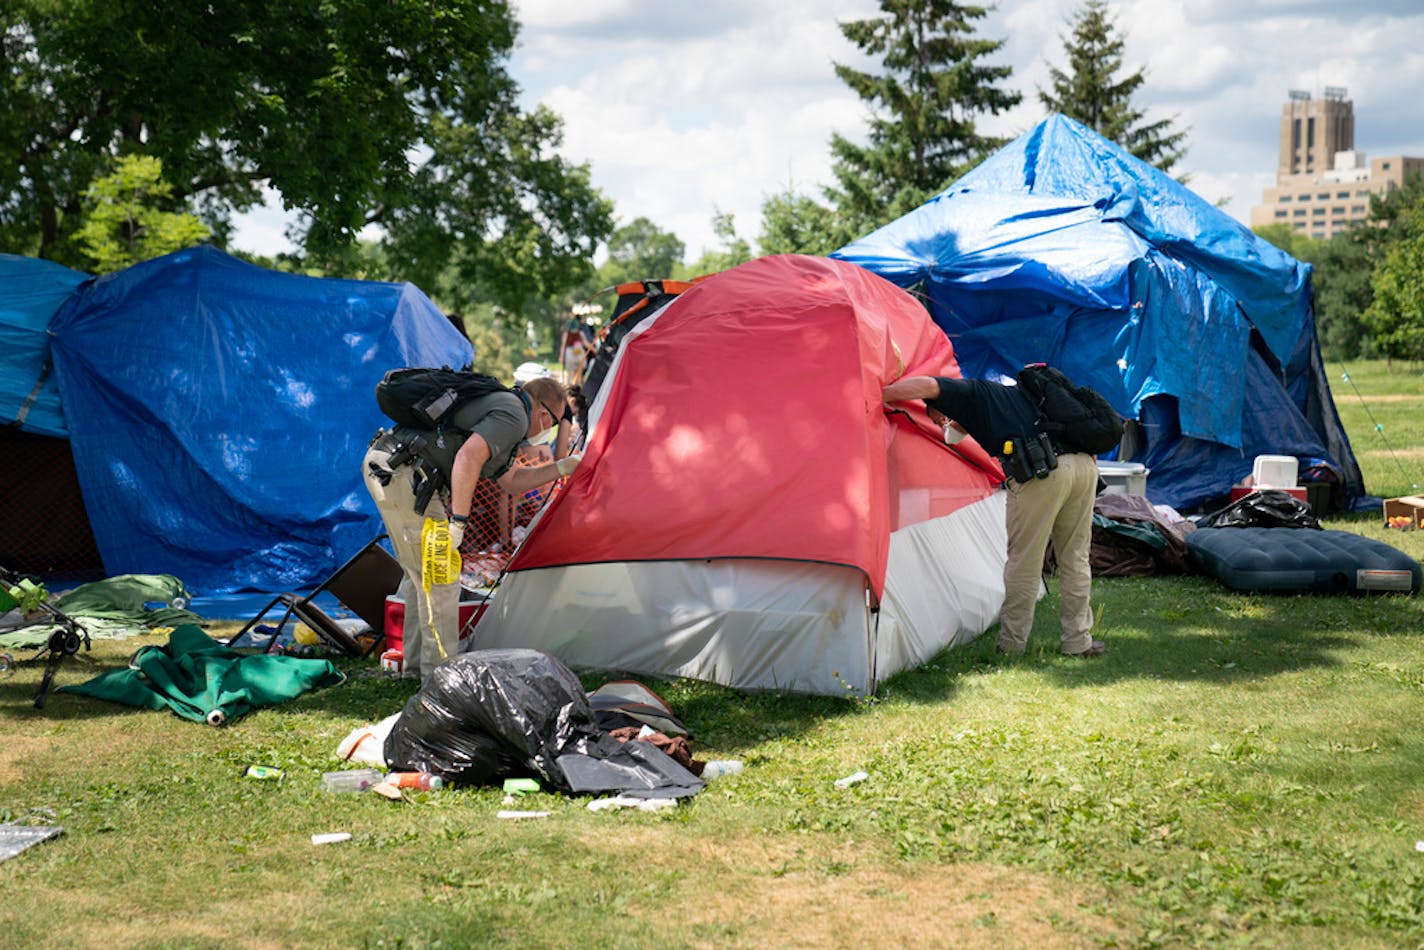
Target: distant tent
[[748, 512], [1063, 247], [217, 413]]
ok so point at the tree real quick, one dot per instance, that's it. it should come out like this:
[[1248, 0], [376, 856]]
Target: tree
[[640, 250], [1092, 93], [796, 224], [1395, 317], [735, 249], [923, 108], [394, 113], [126, 222], [1345, 265]]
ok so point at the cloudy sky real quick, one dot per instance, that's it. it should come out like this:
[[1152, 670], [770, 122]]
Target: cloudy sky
[[684, 109]]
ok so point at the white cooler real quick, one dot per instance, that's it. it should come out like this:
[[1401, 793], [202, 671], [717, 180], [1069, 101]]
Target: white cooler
[[1123, 478]]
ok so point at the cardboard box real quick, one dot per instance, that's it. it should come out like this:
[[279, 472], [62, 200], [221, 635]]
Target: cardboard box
[[1411, 506]]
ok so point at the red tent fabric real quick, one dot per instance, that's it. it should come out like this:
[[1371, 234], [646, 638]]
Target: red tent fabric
[[745, 421]]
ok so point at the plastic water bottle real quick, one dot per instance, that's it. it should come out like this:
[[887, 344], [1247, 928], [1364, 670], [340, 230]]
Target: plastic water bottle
[[350, 780], [420, 781], [720, 767]]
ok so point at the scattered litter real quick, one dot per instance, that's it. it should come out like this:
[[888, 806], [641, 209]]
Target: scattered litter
[[16, 838], [521, 786], [351, 780], [1419, 846], [332, 837], [855, 778], [504, 813], [387, 790], [626, 801], [720, 767], [265, 773]]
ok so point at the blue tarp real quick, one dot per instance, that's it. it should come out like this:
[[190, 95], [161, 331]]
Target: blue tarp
[[218, 413], [1064, 248], [31, 291]]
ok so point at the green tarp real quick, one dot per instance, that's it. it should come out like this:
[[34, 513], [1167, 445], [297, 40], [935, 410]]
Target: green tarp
[[205, 681]]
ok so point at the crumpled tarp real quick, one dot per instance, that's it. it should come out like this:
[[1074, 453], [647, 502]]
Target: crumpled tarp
[[111, 609], [204, 681], [493, 714]]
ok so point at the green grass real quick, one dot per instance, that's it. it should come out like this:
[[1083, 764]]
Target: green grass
[[1237, 770]]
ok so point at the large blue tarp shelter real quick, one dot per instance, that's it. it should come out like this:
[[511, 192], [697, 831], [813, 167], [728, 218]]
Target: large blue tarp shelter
[[1064, 248], [218, 412]]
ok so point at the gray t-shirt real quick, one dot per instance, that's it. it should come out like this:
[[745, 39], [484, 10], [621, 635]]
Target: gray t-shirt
[[501, 419]]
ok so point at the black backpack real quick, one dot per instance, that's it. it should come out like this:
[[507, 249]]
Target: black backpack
[[1076, 418], [422, 397]]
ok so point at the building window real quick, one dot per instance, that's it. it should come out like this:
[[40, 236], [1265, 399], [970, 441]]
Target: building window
[[1357, 209], [1338, 210], [1342, 195], [1299, 213], [1323, 196], [1316, 212], [1318, 235], [1295, 136], [1285, 199], [1310, 132], [1280, 214], [1384, 166], [1302, 197]]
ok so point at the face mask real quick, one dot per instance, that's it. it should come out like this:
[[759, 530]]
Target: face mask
[[545, 437]]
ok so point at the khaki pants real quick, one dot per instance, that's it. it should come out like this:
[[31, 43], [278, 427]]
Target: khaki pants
[[396, 503], [1059, 507]]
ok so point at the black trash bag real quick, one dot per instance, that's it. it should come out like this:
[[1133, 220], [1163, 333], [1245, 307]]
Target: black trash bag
[[490, 714], [1263, 509]]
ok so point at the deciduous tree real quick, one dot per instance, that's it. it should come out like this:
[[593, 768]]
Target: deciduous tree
[[127, 221], [393, 113]]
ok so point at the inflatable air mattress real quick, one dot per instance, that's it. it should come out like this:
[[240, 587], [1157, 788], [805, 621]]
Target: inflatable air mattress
[[1301, 559]]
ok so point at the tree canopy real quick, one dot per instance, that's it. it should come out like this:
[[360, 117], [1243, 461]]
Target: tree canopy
[[394, 113], [1092, 92]]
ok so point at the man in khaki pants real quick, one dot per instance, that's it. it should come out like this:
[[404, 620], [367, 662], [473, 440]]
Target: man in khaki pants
[[1044, 502]]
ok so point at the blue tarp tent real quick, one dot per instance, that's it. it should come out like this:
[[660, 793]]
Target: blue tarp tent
[[1064, 248], [218, 412], [31, 291]]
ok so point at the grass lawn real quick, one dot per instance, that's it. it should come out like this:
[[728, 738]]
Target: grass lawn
[[1237, 770]]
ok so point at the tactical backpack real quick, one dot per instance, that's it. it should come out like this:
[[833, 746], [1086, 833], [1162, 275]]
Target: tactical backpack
[[423, 398], [1076, 418]]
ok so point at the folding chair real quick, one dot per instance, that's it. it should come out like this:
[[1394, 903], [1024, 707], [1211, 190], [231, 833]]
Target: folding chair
[[65, 639], [361, 585]]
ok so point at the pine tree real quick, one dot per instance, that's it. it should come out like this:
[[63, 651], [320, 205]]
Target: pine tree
[[1093, 95], [922, 131]]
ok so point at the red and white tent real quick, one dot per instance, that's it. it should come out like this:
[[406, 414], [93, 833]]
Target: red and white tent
[[748, 512]]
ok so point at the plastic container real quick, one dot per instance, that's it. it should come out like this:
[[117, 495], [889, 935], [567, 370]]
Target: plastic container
[[1274, 471], [351, 780], [720, 767], [420, 781]]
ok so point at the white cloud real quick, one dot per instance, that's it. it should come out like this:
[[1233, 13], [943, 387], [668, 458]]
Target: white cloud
[[684, 109]]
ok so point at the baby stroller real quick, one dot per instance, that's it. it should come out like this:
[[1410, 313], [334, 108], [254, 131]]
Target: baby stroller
[[31, 605]]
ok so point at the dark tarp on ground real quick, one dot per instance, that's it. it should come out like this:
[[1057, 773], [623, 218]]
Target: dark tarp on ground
[[1064, 248]]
